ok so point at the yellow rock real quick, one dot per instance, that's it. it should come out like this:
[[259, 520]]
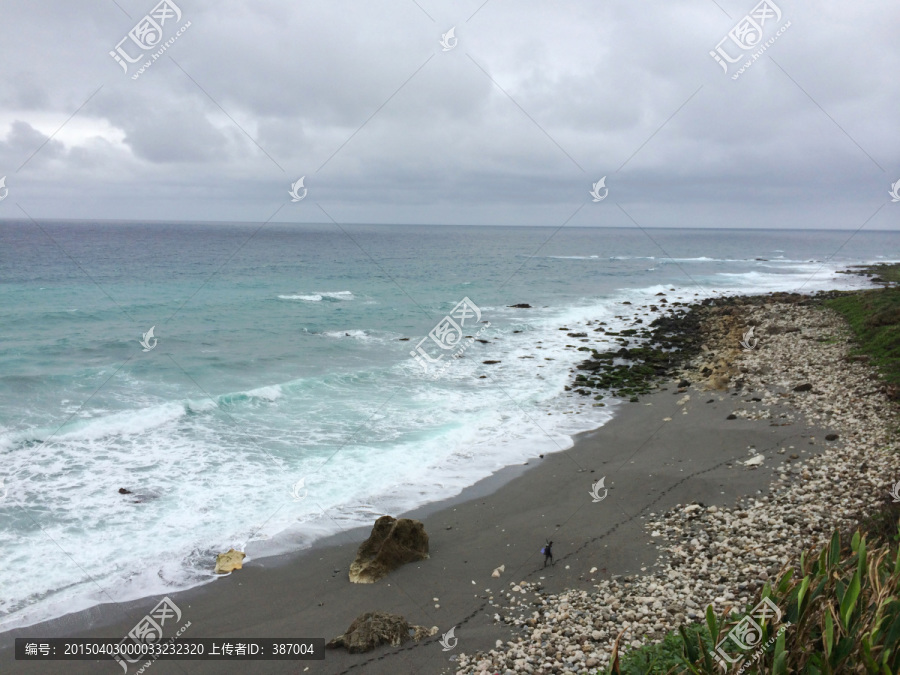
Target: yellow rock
[[233, 560]]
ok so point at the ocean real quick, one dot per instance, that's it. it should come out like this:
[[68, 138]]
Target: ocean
[[277, 401]]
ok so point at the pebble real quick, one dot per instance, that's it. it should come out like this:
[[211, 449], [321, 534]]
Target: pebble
[[723, 555]]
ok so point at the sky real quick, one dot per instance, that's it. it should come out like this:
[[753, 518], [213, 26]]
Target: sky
[[510, 119]]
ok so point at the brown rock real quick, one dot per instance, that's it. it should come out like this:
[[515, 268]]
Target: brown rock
[[392, 543], [373, 629], [232, 560]]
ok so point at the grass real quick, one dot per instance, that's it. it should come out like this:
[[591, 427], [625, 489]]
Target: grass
[[883, 271], [874, 318]]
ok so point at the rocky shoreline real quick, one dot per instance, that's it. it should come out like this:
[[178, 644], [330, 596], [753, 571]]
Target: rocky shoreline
[[796, 368]]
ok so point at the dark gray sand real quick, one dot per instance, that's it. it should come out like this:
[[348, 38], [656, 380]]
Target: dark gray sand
[[650, 465]]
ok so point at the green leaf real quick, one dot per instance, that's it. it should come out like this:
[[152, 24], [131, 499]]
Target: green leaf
[[712, 624], [784, 582], [861, 567], [828, 634], [848, 604], [779, 663], [834, 554], [804, 586], [854, 543], [690, 649]]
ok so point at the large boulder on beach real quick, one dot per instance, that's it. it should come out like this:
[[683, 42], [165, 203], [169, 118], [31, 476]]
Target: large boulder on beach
[[392, 543], [373, 629]]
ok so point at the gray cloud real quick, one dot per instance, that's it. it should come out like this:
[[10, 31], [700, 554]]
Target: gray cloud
[[253, 95]]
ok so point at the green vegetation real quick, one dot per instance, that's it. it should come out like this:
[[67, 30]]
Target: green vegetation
[[630, 372], [882, 272], [874, 317], [841, 614], [664, 657]]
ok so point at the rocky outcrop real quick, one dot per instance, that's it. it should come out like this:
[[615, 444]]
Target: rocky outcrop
[[232, 560], [392, 543], [373, 629]]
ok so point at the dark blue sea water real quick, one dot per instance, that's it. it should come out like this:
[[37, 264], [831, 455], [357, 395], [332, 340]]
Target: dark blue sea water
[[278, 402]]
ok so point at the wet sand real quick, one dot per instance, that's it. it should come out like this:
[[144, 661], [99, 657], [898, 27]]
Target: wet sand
[[650, 465]]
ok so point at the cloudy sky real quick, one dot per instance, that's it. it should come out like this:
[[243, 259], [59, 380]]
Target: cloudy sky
[[509, 121]]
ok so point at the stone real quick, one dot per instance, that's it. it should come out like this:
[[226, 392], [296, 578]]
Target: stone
[[391, 544], [231, 560], [521, 305], [831, 437], [373, 629], [803, 387], [123, 491]]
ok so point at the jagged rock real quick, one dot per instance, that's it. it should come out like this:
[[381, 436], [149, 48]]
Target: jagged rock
[[373, 629], [232, 560], [391, 544]]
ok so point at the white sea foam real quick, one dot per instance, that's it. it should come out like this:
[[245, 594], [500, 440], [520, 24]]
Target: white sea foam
[[318, 296]]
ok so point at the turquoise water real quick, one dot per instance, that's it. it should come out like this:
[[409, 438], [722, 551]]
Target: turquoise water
[[280, 403]]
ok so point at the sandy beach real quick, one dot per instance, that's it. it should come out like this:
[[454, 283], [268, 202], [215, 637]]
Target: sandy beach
[[655, 454]]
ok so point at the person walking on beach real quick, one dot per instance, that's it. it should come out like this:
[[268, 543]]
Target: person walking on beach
[[548, 553]]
